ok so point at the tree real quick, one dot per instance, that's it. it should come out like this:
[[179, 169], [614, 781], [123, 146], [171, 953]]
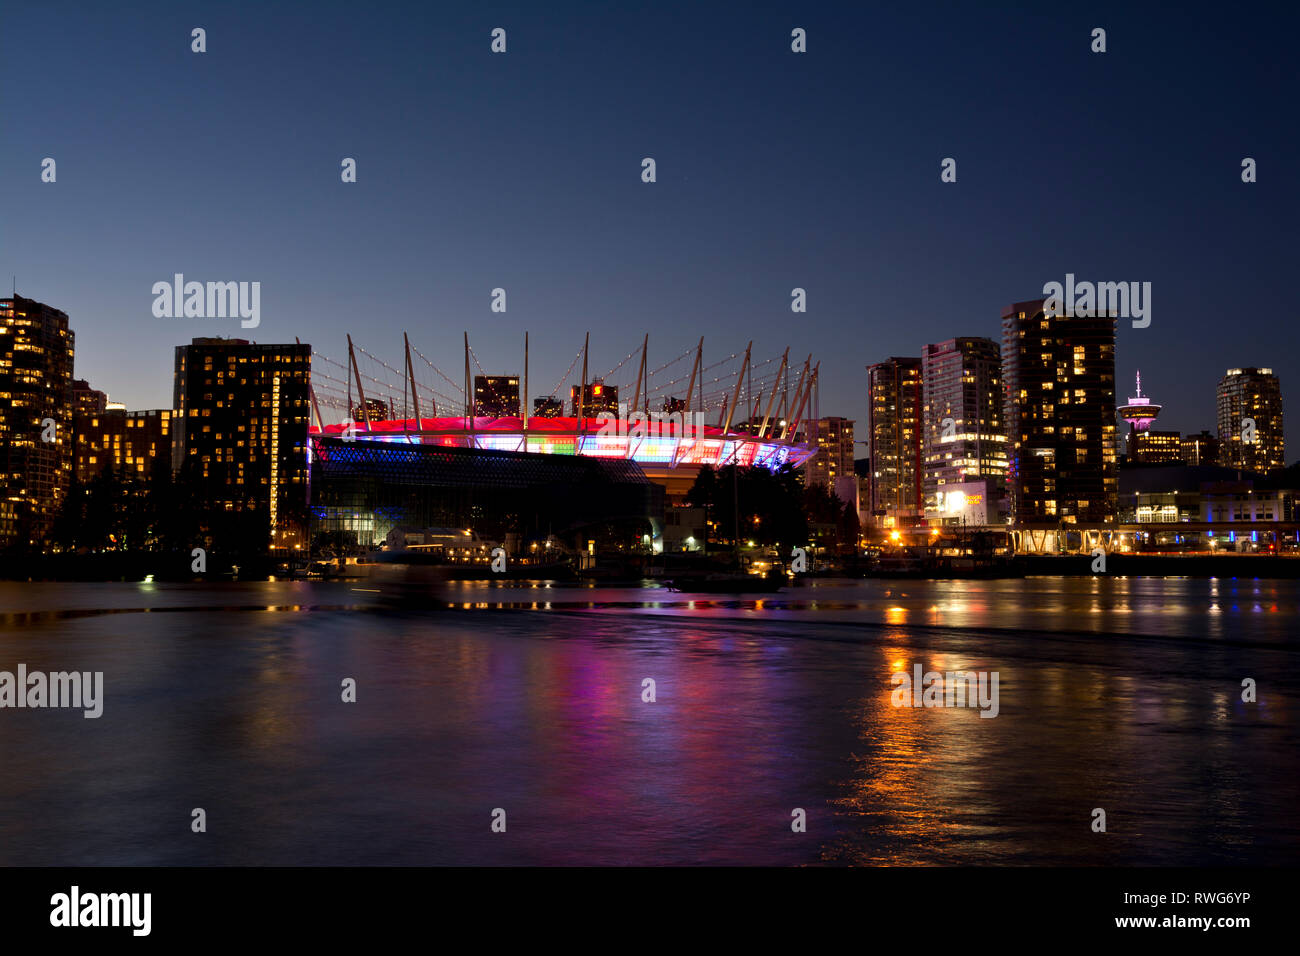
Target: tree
[[824, 508], [770, 506]]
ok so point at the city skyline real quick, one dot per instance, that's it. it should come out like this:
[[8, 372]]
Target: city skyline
[[1166, 420], [457, 196], [635, 436], [510, 381]]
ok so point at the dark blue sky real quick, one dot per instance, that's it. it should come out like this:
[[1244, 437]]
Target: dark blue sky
[[775, 170]]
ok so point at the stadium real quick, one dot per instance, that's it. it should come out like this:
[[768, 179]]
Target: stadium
[[382, 463]]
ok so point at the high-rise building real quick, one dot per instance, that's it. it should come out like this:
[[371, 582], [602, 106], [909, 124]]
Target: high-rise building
[[496, 396], [598, 399], [36, 358], [1058, 375], [98, 437], [834, 458], [1200, 449], [127, 442], [147, 439], [87, 400], [1250, 420], [240, 427], [548, 406], [964, 439], [1151, 447], [372, 410], [894, 435]]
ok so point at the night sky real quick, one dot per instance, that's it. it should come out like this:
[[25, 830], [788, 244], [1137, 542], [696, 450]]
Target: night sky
[[775, 170]]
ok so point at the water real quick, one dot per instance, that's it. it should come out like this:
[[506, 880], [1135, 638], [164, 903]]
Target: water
[[1121, 694]]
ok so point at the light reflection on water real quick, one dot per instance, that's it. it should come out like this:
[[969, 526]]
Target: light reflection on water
[[1121, 694]]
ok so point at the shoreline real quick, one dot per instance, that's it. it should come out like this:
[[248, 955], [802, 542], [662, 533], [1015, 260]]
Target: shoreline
[[162, 568]]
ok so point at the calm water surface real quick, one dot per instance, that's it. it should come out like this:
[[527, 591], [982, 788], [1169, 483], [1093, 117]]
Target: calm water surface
[[1116, 693]]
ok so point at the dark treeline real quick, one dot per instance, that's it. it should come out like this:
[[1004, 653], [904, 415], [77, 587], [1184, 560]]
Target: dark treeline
[[119, 524], [775, 509]]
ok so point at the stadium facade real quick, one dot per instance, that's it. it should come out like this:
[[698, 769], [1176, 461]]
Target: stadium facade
[[556, 476]]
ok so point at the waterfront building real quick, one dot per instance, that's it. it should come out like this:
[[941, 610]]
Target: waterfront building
[[964, 439], [365, 488], [894, 425], [240, 428], [1059, 383]]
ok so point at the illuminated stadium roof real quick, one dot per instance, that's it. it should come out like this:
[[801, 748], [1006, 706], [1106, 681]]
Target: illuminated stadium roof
[[669, 445], [655, 444]]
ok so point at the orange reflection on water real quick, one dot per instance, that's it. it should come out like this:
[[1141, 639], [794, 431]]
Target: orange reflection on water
[[916, 779]]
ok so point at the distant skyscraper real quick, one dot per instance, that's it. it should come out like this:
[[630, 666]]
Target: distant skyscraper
[[548, 406], [496, 396], [1153, 447], [894, 433], [1058, 373], [599, 399], [834, 458], [87, 400], [373, 410], [964, 438], [240, 428], [1250, 420], [1200, 449], [36, 440]]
